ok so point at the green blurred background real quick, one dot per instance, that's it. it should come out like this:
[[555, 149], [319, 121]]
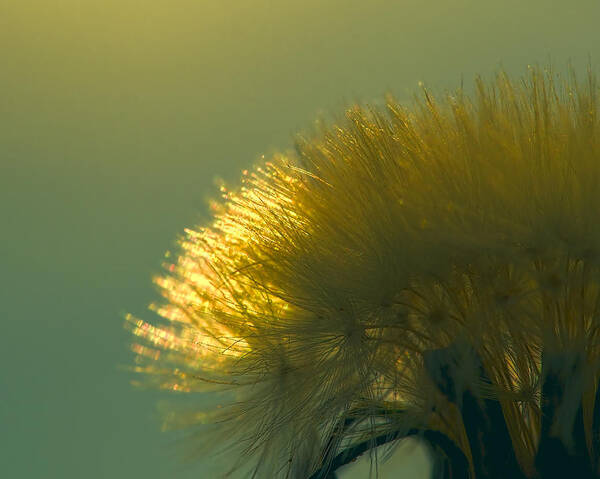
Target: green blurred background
[[115, 118]]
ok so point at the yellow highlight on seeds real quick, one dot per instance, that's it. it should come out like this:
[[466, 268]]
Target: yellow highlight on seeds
[[324, 279]]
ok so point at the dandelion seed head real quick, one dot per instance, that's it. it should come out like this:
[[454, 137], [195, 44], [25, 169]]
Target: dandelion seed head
[[325, 282]]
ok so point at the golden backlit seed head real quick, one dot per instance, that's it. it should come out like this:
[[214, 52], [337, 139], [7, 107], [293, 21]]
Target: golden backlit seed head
[[323, 281]]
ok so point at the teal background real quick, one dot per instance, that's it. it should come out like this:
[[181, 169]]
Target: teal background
[[115, 118]]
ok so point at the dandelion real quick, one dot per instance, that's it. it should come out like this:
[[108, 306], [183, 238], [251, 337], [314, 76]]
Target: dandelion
[[430, 271]]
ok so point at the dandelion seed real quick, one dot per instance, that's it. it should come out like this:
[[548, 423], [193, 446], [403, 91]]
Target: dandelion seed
[[432, 272]]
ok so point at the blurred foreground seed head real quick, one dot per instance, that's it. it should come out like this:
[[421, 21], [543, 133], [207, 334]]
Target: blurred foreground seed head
[[433, 271]]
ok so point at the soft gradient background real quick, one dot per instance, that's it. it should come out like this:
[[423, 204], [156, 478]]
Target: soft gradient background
[[115, 118]]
